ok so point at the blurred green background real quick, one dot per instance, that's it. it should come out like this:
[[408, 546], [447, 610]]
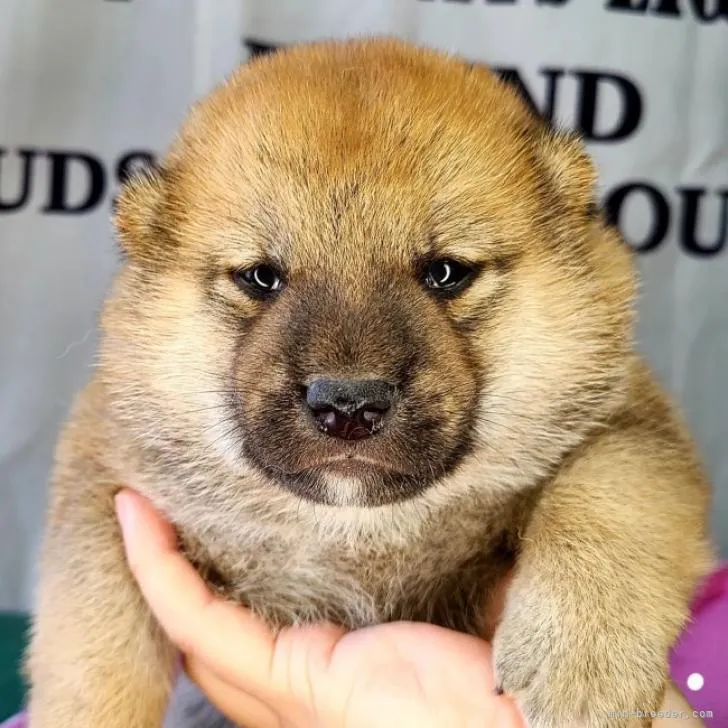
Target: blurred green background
[[13, 633]]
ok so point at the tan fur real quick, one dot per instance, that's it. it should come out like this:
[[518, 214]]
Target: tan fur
[[345, 163]]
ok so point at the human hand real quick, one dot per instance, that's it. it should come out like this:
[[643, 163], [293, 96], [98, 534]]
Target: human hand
[[318, 676]]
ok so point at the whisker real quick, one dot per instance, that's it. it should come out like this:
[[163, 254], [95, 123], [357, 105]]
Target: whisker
[[220, 405], [224, 435], [234, 424]]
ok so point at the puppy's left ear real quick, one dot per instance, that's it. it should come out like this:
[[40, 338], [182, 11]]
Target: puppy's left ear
[[136, 216], [572, 170]]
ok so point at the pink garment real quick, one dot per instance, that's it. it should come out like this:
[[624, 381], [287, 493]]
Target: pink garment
[[17, 721], [701, 655]]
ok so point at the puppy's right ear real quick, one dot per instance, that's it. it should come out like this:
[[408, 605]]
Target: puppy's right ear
[[137, 214]]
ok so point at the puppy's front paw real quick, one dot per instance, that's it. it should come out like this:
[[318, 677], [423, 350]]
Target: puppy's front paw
[[570, 663]]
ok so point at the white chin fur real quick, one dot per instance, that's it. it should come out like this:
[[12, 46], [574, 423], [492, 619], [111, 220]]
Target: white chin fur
[[342, 491]]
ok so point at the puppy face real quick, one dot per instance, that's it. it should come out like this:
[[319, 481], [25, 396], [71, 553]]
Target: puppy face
[[360, 266]]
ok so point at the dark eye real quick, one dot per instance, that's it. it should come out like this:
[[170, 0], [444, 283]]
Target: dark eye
[[445, 274], [260, 280]]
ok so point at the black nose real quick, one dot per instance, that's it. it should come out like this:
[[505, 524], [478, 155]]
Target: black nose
[[350, 410]]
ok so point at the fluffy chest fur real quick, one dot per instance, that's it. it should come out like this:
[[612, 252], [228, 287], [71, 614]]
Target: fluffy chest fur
[[294, 577]]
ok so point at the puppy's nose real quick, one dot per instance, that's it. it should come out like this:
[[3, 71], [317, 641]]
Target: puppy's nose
[[349, 409]]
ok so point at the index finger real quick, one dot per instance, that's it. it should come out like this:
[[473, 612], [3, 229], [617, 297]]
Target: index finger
[[228, 639]]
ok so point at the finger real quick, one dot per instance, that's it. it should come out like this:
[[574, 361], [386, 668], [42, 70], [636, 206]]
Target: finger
[[232, 641], [507, 714], [235, 704]]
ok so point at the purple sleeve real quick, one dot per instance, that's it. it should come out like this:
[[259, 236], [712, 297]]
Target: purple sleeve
[[17, 721]]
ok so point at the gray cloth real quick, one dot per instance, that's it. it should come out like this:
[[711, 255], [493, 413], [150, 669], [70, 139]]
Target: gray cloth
[[189, 709]]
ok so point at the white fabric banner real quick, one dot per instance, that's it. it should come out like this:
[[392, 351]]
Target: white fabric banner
[[93, 88]]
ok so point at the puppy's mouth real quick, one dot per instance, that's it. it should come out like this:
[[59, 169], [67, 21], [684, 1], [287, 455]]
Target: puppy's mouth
[[350, 464]]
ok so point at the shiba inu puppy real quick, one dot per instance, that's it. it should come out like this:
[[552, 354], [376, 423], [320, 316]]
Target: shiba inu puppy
[[371, 348]]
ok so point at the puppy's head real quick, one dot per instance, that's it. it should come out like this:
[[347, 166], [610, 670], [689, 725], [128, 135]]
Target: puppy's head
[[361, 265]]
